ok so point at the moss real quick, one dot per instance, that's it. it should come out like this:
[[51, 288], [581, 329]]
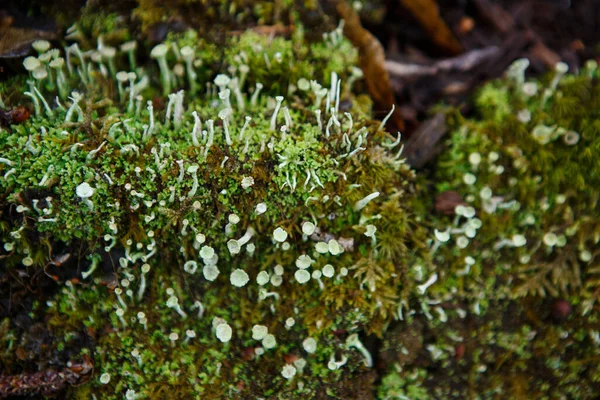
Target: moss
[[524, 238], [404, 385], [536, 178], [164, 190]]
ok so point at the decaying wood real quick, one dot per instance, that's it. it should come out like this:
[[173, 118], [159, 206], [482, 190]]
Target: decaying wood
[[16, 42], [495, 15], [504, 22], [540, 51], [372, 61], [428, 14], [469, 60], [424, 144], [47, 383], [407, 70], [462, 63]]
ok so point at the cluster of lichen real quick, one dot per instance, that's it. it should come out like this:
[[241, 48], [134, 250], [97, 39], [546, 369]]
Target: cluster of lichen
[[524, 237], [506, 352], [528, 170], [231, 242], [223, 220]]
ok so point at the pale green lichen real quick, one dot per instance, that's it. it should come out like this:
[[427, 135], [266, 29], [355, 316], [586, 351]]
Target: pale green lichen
[[529, 171], [164, 200]]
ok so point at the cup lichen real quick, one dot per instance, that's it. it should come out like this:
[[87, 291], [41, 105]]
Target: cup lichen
[[254, 221]]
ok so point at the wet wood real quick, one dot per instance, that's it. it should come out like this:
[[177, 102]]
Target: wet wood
[[425, 143], [495, 15]]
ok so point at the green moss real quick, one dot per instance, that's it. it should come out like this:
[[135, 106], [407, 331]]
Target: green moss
[[166, 191], [536, 177], [404, 385], [526, 236]]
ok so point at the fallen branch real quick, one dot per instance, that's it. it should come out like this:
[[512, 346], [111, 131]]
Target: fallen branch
[[462, 63]]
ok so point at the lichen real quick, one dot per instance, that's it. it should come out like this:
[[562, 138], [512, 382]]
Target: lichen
[[183, 222], [517, 258], [529, 171]]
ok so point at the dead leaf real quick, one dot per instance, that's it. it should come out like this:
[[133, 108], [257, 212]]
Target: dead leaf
[[372, 61], [428, 14]]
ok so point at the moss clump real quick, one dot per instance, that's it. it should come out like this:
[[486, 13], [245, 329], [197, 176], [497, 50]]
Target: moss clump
[[213, 233], [519, 252], [530, 173]]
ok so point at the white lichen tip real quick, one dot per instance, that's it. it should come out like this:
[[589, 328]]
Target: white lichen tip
[[304, 261], [359, 205], [308, 228], [561, 67], [57, 63], [159, 51], [210, 272], [192, 169], [322, 248], [442, 236], [122, 76], [303, 84], [222, 80], [233, 246], [239, 278], [247, 181], [261, 208], [84, 190], [105, 378], [371, 229], [310, 345], [224, 332], [129, 46], [190, 267], [550, 239], [108, 51], [519, 240], [328, 271], [186, 52], [190, 333], [40, 73], [259, 332], [207, 252], [269, 341], [280, 235], [288, 371], [41, 45], [262, 278], [302, 276]]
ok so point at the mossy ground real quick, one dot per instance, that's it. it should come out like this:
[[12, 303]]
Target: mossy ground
[[517, 313], [462, 306], [157, 207]]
